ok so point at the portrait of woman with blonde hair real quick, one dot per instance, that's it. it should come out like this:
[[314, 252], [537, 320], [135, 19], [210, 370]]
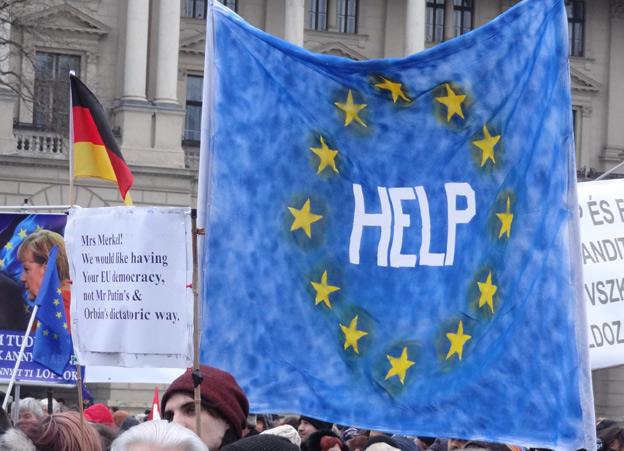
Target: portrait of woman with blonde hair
[[33, 253]]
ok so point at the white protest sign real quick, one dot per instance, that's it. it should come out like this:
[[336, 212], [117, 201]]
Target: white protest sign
[[601, 207], [132, 303]]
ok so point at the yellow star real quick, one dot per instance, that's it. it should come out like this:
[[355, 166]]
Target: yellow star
[[64, 325], [55, 336], [26, 308], [396, 89], [399, 366], [55, 302], [487, 292], [1, 262], [453, 103], [458, 340], [38, 228], [59, 315], [351, 110], [22, 233], [323, 290], [487, 146], [46, 332], [58, 291], [8, 246], [506, 219], [303, 218], [327, 157], [352, 335]]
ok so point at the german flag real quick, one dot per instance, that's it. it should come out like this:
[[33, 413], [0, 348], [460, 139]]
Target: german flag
[[96, 153]]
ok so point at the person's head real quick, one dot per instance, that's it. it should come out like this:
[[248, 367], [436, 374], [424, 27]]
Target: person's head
[[29, 413], [64, 432], [119, 416], [308, 426], [224, 406], [285, 431], [263, 422], [100, 414], [107, 435], [330, 443], [158, 435], [612, 438], [56, 407], [262, 442], [128, 423], [5, 422], [381, 442], [33, 253]]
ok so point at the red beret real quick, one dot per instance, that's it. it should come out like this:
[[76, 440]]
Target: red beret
[[218, 389], [99, 413]]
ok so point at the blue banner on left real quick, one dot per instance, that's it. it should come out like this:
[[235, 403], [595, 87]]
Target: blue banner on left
[[29, 371]]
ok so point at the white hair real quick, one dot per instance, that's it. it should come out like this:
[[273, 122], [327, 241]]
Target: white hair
[[31, 404], [56, 407], [162, 433]]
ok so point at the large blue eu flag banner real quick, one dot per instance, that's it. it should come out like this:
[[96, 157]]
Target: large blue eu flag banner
[[393, 243]]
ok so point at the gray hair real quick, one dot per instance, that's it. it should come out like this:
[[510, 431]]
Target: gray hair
[[159, 432], [31, 404], [56, 407]]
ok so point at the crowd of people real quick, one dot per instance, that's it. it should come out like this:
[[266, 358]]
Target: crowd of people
[[225, 424]]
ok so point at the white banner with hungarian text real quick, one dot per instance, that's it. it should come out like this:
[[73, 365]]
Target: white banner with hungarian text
[[132, 300], [601, 207]]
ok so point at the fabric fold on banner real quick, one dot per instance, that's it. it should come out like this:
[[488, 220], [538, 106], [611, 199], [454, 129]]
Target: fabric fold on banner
[[393, 244], [96, 153]]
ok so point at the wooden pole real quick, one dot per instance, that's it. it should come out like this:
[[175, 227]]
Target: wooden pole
[[80, 404], [197, 377]]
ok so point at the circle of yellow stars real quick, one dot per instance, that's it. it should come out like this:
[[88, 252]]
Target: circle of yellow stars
[[304, 217]]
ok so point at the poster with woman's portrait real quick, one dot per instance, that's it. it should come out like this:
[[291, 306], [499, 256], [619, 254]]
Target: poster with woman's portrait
[[23, 239]]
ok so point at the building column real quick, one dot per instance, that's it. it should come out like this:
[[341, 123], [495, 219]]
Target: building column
[[294, 20], [7, 96], [168, 120], [449, 20], [415, 13], [168, 48], [135, 59], [614, 151]]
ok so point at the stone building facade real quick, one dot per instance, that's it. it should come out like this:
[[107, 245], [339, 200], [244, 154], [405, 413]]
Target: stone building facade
[[144, 61]]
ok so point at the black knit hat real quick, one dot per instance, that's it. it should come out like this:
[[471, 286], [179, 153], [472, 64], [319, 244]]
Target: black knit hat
[[262, 442]]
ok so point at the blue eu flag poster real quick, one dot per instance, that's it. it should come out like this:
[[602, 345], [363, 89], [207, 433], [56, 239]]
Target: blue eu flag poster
[[393, 243]]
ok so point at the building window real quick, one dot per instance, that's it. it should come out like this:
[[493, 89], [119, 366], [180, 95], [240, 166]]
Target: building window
[[463, 11], [197, 8], [317, 15], [192, 123], [347, 16], [232, 4], [51, 101], [576, 26], [435, 20]]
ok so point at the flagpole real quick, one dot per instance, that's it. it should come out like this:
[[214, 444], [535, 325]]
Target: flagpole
[[80, 403], [613, 169], [19, 357], [197, 376], [71, 142]]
